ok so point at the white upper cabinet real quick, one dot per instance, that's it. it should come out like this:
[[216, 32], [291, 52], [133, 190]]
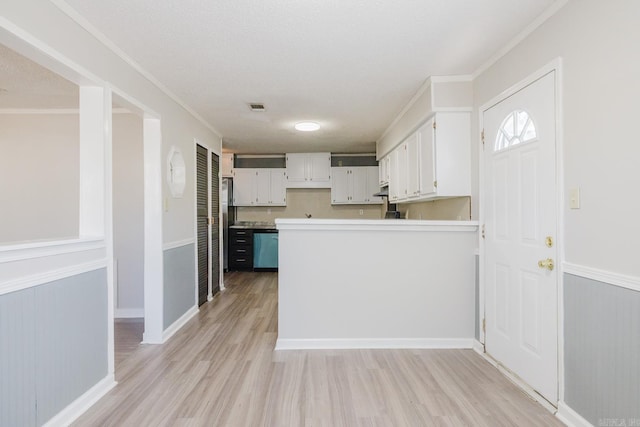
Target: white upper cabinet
[[226, 164], [383, 171], [259, 187], [244, 187], [354, 185], [434, 161], [308, 170]]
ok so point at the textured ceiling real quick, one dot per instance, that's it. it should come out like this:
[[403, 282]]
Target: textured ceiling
[[25, 84], [350, 65]]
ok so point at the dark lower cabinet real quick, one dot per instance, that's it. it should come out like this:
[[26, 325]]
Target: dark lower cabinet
[[240, 249]]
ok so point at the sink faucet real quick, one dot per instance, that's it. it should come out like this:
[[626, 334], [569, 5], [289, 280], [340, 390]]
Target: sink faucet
[[307, 215]]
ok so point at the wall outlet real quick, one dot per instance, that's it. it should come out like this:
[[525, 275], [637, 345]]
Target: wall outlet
[[268, 211], [361, 212]]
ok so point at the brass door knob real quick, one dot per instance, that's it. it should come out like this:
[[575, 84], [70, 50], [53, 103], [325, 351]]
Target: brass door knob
[[546, 263]]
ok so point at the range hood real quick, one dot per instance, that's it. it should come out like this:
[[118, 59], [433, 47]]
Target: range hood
[[384, 191]]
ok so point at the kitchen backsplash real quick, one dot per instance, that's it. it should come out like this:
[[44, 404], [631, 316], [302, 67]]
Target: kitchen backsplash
[[458, 208], [313, 201]]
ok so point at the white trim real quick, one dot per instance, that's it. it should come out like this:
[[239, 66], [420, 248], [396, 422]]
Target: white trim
[[478, 347], [39, 111], [571, 417], [25, 282], [129, 313], [608, 277], [452, 79], [23, 251], [84, 23], [178, 244], [175, 326], [82, 403], [370, 343], [375, 225], [548, 13]]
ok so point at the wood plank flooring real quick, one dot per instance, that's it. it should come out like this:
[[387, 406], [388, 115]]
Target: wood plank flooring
[[221, 370]]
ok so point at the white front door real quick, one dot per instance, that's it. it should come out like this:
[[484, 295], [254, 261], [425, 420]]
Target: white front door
[[521, 299]]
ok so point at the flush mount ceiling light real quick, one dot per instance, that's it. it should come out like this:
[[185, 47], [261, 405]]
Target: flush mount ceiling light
[[307, 126]]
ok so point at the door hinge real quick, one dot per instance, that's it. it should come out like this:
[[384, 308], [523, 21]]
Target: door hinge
[[435, 184], [483, 231], [482, 137], [484, 325], [434, 124]]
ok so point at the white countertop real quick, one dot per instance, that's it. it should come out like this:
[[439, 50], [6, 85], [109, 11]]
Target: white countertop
[[374, 225]]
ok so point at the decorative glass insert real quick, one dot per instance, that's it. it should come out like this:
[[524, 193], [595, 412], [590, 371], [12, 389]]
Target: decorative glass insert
[[516, 128]]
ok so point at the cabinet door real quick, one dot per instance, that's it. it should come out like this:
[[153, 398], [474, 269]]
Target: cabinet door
[[263, 186], [372, 184], [427, 165], [340, 185], [244, 193], [319, 167], [278, 188], [383, 170], [226, 164], [394, 175], [296, 167], [359, 178], [413, 165]]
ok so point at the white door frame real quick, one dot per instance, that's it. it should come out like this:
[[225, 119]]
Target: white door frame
[[555, 65]]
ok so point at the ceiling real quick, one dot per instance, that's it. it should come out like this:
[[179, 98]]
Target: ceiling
[[350, 65]]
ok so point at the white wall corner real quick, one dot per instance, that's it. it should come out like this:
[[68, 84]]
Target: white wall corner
[[175, 326], [79, 406], [571, 417]]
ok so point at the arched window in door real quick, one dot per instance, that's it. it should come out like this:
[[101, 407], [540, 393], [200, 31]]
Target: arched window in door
[[517, 128]]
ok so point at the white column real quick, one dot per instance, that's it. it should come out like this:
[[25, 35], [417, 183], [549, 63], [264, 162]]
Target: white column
[[153, 255], [92, 164]]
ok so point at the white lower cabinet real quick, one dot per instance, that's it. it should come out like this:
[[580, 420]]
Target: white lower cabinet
[[354, 185], [259, 187]]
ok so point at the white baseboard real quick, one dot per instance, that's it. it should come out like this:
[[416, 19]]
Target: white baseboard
[[374, 343], [571, 417], [175, 326], [128, 313], [82, 403], [478, 347]]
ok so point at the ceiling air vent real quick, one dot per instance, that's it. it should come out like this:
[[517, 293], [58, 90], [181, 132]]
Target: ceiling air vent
[[256, 106]]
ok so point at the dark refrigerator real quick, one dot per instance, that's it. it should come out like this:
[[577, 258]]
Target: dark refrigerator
[[228, 217]]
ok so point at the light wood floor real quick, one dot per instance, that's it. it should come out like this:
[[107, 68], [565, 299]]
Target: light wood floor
[[221, 370]]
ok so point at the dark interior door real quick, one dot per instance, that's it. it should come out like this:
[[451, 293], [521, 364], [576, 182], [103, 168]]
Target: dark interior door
[[215, 227], [202, 198]]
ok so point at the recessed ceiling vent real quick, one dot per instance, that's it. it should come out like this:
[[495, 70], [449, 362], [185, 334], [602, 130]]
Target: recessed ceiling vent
[[256, 106]]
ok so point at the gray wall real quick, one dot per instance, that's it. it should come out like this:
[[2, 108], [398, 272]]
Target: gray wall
[[602, 350], [53, 346], [477, 302], [179, 282]]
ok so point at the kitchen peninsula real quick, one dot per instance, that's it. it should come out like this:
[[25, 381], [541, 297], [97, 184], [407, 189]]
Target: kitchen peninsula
[[376, 283]]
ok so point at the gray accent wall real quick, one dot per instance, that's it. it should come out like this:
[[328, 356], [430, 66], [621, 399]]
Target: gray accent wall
[[477, 304], [179, 282], [602, 350], [53, 346]]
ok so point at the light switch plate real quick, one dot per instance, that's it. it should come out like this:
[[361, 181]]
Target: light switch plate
[[574, 198]]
